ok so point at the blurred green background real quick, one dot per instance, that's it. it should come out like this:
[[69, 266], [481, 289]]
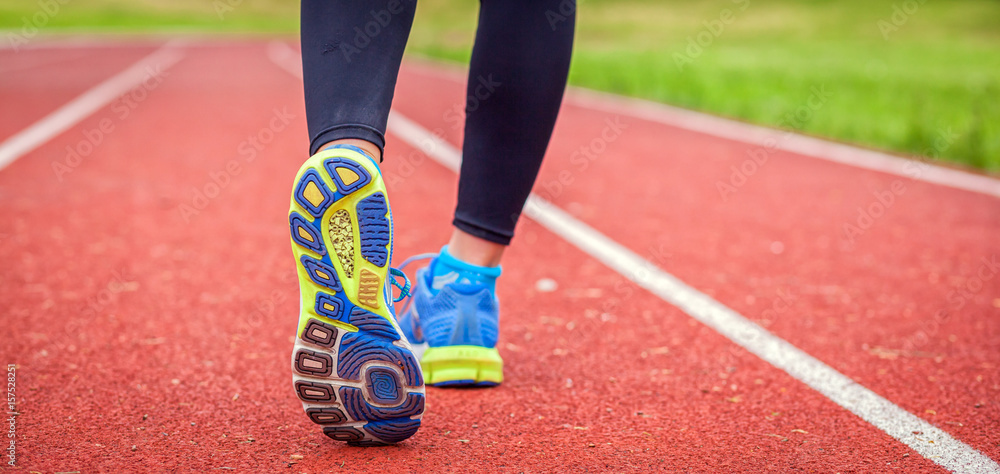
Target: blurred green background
[[919, 78]]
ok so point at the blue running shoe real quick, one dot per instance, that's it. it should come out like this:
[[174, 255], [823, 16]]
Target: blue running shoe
[[454, 318], [352, 368]]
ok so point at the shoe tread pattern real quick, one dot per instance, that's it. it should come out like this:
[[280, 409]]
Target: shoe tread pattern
[[354, 374]]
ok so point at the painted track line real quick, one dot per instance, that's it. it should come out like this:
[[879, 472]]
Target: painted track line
[[788, 141], [74, 111], [923, 437], [931, 442], [101, 40], [756, 135]]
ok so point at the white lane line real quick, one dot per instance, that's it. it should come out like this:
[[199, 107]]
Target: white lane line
[[57, 41], [755, 135], [54, 39], [786, 141], [924, 438], [921, 436], [74, 111], [285, 57]]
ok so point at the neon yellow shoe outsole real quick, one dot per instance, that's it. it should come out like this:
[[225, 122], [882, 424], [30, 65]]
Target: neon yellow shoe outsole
[[352, 369], [462, 366]]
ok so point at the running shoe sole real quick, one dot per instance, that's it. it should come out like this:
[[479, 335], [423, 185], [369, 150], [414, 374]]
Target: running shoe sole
[[462, 366], [355, 373]]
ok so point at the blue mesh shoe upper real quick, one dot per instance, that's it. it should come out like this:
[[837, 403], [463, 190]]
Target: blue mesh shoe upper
[[454, 303]]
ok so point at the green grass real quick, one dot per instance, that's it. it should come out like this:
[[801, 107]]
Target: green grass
[[127, 16], [931, 89]]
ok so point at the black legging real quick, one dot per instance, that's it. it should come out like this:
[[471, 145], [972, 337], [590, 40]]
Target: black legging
[[351, 52]]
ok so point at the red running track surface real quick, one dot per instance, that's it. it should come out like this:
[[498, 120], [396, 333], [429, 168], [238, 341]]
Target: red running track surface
[[146, 336], [43, 79]]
